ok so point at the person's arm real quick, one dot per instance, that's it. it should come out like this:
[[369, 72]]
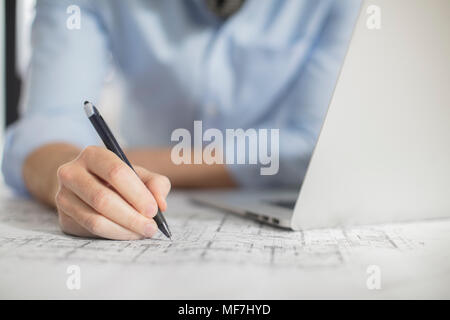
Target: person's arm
[[61, 75], [46, 154], [301, 110], [182, 176], [40, 167]]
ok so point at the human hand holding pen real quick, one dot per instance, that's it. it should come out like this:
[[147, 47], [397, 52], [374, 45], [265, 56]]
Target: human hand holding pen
[[99, 195]]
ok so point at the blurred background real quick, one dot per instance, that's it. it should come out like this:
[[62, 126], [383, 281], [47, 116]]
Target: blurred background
[[16, 18]]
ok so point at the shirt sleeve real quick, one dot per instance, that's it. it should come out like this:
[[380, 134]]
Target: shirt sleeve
[[301, 113], [67, 67]]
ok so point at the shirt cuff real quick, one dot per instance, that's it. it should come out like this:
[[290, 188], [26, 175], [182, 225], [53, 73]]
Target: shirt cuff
[[31, 132]]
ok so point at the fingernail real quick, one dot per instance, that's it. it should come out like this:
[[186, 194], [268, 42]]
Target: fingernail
[[149, 230]]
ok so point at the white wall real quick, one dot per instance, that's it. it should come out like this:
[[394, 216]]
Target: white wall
[[25, 15]]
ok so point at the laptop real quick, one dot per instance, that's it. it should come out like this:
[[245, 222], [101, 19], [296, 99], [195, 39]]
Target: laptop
[[383, 154]]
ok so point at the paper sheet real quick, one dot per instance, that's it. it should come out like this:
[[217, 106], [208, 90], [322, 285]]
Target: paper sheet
[[215, 242]]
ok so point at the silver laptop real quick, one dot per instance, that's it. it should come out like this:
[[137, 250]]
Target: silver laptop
[[383, 154]]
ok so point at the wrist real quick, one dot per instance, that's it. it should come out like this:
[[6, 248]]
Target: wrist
[[40, 167]]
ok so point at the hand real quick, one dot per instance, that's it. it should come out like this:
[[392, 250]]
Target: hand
[[100, 196]]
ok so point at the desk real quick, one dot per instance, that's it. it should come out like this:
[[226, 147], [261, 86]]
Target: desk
[[220, 255]]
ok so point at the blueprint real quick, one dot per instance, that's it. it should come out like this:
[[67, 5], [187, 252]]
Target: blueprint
[[214, 254], [29, 231]]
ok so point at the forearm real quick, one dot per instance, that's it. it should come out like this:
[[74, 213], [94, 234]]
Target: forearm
[[40, 167], [182, 176]]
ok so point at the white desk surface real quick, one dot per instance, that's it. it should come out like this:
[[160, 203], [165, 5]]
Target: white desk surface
[[217, 255]]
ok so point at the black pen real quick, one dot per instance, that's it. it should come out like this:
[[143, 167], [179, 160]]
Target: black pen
[[111, 143]]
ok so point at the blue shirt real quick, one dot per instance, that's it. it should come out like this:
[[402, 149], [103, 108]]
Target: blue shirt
[[273, 64]]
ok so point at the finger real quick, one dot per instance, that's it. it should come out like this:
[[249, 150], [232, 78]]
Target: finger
[[79, 219], [70, 226], [106, 165], [158, 185], [105, 201]]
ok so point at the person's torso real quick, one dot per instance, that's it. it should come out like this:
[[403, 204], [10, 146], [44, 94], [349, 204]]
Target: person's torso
[[182, 63]]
